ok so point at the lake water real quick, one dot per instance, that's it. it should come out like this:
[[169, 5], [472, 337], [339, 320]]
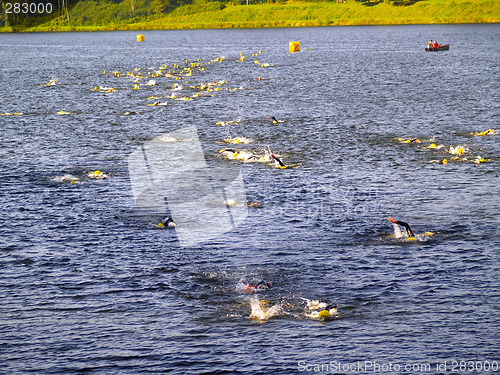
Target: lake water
[[89, 283]]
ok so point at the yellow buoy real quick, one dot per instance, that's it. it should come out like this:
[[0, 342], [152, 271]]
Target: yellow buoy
[[294, 47], [140, 38]]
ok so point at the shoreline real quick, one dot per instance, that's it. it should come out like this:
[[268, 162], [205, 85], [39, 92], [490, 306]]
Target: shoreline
[[300, 14]]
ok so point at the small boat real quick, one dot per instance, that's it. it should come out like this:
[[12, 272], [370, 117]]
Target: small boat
[[440, 48]]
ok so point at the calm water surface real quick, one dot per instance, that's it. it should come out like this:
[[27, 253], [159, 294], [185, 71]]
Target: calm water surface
[[88, 284]]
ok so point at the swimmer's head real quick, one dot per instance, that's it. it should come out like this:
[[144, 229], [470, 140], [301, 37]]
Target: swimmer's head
[[331, 307]]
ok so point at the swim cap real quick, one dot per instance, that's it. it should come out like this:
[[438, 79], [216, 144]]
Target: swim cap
[[324, 314]]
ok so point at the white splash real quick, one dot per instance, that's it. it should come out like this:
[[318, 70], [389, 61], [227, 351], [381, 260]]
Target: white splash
[[260, 313], [314, 304], [65, 178], [398, 233]]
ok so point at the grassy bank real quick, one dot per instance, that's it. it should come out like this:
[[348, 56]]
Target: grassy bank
[[203, 14], [333, 14]]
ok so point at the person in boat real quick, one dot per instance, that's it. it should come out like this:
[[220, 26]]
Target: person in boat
[[435, 45], [407, 228], [429, 45]]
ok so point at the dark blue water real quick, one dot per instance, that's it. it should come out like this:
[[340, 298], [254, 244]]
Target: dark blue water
[[89, 284]]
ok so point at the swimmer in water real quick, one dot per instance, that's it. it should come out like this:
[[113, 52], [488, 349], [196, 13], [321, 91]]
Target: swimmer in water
[[409, 232], [228, 150], [278, 162], [261, 285], [167, 222], [253, 157], [248, 288], [328, 312], [321, 310], [273, 119], [413, 140]]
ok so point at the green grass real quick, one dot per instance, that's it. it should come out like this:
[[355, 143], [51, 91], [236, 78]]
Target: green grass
[[88, 15]]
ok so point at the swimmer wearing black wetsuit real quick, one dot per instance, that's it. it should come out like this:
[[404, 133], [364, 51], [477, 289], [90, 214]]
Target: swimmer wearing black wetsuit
[[232, 150], [403, 224], [168, 222], [281, 164], [253, 157]]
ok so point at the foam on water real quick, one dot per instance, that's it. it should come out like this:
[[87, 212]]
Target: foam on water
[[260, 310], [399, 232]]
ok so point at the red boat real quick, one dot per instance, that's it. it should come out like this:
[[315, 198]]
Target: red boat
[[439, 48]]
